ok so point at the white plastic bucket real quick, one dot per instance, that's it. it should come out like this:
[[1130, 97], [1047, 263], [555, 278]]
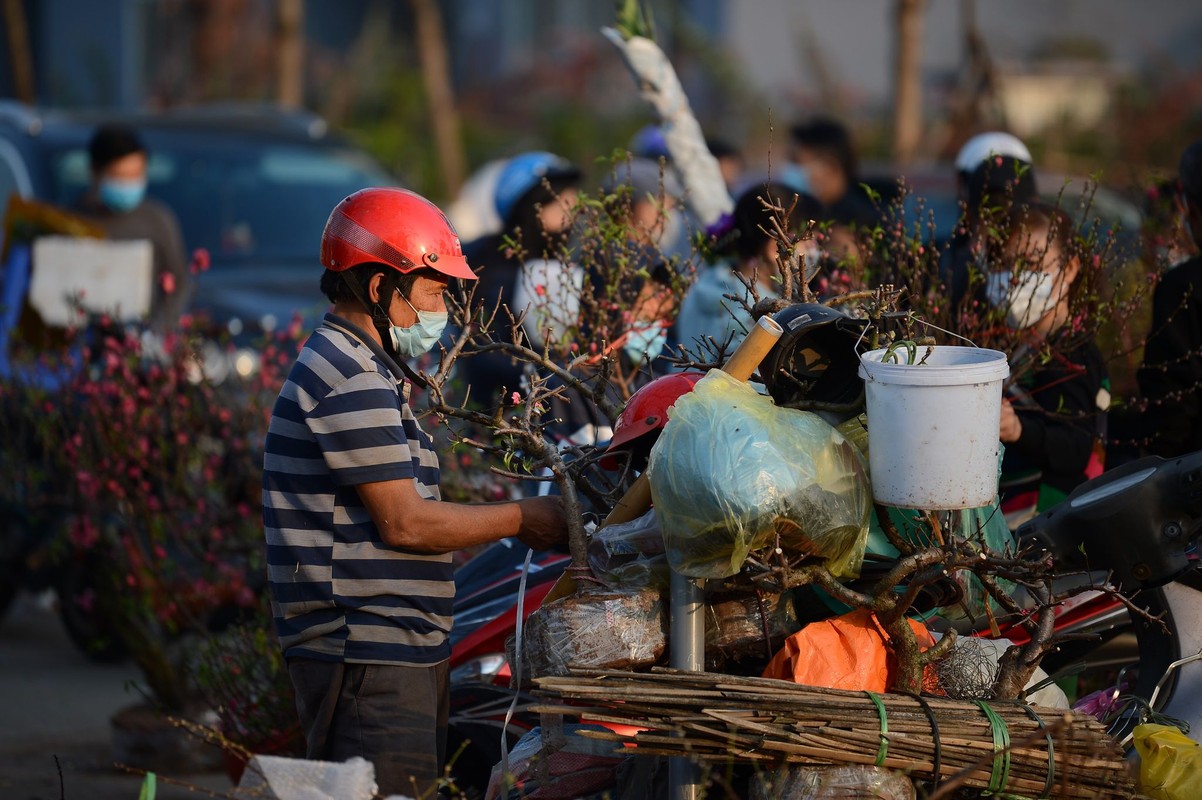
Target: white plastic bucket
[[933, 426]]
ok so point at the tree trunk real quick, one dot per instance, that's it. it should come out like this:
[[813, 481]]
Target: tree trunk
[[907, 93], [436, 76], [20, 57], [290, 53]]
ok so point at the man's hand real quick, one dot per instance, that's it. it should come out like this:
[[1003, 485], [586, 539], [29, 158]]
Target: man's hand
[[544, 524], [1011, 427]]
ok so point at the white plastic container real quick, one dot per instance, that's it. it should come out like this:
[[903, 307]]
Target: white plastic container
[[933, 426]]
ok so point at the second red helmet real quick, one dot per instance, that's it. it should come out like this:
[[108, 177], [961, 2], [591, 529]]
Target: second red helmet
[[392, 226], [647, 409]]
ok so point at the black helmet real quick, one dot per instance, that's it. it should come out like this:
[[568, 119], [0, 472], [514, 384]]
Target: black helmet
[[815, 363]]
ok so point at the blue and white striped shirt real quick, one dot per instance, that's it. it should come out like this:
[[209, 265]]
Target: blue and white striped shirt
[[338, 593]]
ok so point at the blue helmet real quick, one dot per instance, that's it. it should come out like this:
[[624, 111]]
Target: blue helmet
[[650, 142], [525, 171]]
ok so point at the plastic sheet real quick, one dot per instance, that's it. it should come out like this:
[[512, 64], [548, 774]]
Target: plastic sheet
[[829, 783], [602, 629], [630, 555], [731, 470], [276, 778], [1170, 763], [848, 652], [558, 765]]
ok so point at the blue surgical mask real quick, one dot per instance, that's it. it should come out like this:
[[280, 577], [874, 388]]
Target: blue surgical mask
[[122, 195], [422, 335], [645, 342]]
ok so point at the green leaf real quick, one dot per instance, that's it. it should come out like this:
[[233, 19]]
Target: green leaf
[[148, 787], [634, 19]]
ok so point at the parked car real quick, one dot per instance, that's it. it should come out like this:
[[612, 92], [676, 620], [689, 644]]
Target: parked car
[[252, 185]]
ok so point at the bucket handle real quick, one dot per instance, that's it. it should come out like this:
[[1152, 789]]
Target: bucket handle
[[864, 330], [944, 330]]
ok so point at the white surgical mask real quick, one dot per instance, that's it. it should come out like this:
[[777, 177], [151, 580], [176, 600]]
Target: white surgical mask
[[1027, 301], [422, 335]]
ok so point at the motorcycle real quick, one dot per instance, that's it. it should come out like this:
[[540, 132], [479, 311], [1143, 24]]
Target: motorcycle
[[1135, 527], [485, 613], [1140, 523]]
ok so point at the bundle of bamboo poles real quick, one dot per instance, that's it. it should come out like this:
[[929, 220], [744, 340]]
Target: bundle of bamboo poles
[[1001, 747]]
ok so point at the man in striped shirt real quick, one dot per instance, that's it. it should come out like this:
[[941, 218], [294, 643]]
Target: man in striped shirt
[[358, 541]]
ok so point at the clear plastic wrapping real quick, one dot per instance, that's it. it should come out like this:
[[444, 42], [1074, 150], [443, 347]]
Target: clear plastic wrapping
[[828, 783], [735, 627], [630, 555], [602, 630], [731, 471]]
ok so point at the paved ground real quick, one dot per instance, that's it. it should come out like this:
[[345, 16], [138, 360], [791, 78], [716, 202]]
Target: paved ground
[[56, 703]]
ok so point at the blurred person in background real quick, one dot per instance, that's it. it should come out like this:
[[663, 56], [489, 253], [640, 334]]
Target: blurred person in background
[[645, 198], [632, 289], [751, 255], [981, 147], [823, 149], [534, 196], [1054, 409], [730, 161], [1170, 377], [359, 543], [116, 200], [992, 189]]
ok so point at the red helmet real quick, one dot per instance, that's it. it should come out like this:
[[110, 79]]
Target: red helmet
[[396, 227], [647, 409]]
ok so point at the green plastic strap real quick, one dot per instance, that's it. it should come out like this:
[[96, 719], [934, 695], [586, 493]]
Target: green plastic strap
[[1001, 749], [1050, 780], [880, 711]]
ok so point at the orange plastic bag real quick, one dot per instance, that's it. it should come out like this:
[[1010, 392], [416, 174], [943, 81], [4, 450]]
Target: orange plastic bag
[[847, 652]]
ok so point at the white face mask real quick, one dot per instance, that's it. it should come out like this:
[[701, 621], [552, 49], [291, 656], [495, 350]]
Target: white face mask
[[1027, 301]]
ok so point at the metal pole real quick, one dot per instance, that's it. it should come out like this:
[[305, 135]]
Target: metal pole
[[686, 651]]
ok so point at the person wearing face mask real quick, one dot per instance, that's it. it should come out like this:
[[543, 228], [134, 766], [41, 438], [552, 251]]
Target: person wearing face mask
[[358, 542], [822, 149], [997, 183], [534, 197], [1170, 376], [750, 257], [116, 199], [1054, 408], [637, 335]]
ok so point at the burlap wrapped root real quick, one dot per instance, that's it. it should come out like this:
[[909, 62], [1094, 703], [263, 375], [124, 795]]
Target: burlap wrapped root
[[731, 471]]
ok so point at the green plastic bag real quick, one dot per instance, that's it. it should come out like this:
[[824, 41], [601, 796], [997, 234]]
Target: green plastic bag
[[731, 471], [1170, 763]]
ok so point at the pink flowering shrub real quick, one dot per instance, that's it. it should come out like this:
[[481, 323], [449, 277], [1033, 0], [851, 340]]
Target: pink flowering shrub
[[159, 469], [241, 674]]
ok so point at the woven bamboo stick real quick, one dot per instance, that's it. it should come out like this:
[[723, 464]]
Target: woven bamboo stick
[[718, 718]]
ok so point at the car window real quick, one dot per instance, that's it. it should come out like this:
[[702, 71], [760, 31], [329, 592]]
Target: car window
[[256, 201]]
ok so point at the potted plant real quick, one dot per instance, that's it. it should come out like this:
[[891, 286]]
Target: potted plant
[[242, 676]]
